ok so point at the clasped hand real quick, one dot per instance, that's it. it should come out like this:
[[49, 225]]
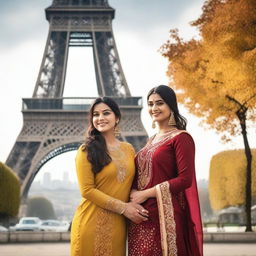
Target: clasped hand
[[135, 212]]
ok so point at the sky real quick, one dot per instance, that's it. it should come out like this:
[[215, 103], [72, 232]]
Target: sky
[[140, 28]]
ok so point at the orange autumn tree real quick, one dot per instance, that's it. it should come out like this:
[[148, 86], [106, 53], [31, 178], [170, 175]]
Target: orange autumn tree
[[215, 75]]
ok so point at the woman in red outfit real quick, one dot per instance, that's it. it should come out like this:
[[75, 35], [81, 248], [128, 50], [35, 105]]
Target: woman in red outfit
[[165, 185]]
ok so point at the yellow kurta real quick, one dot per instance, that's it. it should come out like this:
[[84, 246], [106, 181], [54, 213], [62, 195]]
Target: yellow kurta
[[98, 228]]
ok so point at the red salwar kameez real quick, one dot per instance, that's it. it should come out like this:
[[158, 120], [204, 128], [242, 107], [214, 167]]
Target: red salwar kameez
[[174, 226]]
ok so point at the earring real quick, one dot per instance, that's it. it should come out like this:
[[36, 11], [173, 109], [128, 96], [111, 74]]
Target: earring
[[117, 131], [172, 121], [153, 124]]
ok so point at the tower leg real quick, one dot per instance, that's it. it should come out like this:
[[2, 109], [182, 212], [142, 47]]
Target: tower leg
[[51, 78]]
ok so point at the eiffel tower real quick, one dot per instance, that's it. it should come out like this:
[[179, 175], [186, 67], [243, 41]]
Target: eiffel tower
[[53, 124]]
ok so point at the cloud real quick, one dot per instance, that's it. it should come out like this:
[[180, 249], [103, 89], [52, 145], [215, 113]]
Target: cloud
[[146, 14], [19, 67], [21, 20]]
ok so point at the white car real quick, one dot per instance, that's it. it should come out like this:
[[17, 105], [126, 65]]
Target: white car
[[54, 225], [28, 224], [3, 229]]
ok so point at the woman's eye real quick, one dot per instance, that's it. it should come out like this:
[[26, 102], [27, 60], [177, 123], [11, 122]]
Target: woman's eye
[[95, 114], [106, 113], [159, 103]]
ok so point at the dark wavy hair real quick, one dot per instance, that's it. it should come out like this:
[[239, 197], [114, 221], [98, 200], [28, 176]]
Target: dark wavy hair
[[95, 144], [169, 97]]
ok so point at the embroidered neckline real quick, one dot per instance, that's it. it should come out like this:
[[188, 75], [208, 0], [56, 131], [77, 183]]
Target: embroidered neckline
[[114, 148], [145, 155], [158, 137], [119, 156]]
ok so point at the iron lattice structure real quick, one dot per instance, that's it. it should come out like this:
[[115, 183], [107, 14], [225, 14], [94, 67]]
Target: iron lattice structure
[[52, 124]]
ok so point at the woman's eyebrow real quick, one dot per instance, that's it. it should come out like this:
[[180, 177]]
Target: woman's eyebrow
[[155, 101], [104, 110]]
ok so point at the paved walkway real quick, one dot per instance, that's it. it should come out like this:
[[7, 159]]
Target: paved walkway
[[62, 249]]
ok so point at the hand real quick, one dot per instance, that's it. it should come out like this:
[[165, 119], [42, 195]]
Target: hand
[[138, 196], [135, 212], [141, 196]]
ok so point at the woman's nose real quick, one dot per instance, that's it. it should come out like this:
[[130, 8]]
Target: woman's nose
[[154, 107], [101, 116]]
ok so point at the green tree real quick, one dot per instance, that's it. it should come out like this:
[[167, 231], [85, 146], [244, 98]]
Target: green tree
[[215, 75], [9, 192], [40, 207]]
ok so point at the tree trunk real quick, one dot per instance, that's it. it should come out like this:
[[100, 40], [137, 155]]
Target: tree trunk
[[248, 154], [241, 114]]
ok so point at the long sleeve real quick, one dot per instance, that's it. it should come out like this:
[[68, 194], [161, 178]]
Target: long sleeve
[[184, 154], [86, 180]]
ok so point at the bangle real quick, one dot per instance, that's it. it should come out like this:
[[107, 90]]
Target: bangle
[[123, 210]]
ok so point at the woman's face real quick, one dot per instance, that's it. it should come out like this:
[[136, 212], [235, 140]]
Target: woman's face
[[159, 111], [103, 118]]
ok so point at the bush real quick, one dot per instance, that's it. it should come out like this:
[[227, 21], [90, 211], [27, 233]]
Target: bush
[[228, 178], [9, 192], [40, 207]]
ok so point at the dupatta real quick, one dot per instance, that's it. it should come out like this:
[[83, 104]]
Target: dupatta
[[164, 200]]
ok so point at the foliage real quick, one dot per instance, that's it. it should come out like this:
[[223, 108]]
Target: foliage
[[215, 76], [228, 177], [212, 73], [40, 207], [9, 192]]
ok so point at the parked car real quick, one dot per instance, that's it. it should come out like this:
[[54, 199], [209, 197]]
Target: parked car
[[54, 225], [3, 229], [27, 224]]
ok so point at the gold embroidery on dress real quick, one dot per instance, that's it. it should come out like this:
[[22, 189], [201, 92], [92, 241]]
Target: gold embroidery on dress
[[140, 236], [166, 218], [144, 159], [119, 156], [115, 205], [103, 233]]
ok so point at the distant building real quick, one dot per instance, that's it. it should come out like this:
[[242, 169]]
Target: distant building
[[235, 215], [65, 179], [231, 215], [47, 180], [61, 191], [56, 184]]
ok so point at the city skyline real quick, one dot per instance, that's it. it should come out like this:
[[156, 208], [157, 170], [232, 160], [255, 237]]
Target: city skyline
[[48, 179]]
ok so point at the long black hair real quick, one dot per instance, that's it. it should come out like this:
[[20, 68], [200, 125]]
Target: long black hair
[[95, 144], [169, 97]]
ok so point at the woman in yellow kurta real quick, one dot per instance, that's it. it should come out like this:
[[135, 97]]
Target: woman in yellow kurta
[[105, 170]]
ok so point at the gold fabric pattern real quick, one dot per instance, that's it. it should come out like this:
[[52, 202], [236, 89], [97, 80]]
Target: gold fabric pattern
[[116, 205], [118, 157], [144, 159], [166, 218], [145, 238], [103, 233]]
